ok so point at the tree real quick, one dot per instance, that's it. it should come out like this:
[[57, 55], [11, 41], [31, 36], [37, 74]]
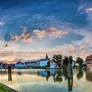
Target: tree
[[58, 59], [79, 61], [48, 64], [80, 73], [58, 76], [65, 62], [70, 59]]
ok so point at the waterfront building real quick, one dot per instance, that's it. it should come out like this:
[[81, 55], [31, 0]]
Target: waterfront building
[[53, 64], [20, 65], [89, 62], [1, 65], [32, 63], [43, 62]]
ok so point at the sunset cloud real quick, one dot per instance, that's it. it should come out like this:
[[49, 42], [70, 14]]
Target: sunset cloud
[[51, 32], [40, 34], [25, 37], [88, 9], [54, 33], [72, 47]]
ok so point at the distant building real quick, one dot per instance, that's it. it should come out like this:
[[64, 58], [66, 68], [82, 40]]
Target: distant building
[[89, 75], [20, 64], [89, 61], [1, 65], [43, 62], [32, 63], [46, 57], [53, 64]]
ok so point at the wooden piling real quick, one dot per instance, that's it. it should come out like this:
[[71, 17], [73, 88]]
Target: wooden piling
[[9, 74]]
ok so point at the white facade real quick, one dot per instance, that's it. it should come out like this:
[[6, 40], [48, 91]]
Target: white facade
[[43, 63], [52, 65]]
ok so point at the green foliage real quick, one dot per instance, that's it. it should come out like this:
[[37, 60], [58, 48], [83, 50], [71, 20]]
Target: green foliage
[[65, 61], [57, 59], [80, 73], [65, 67], [58, 76], [79, 61], [70, 59], [48, 64], [4, 89]]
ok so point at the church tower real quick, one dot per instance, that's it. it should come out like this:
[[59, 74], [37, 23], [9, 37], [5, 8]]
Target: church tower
[[46, 57]]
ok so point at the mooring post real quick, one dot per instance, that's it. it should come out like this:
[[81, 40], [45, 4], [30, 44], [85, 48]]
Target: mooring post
[[9, 73], [70, 71], [70, 77]]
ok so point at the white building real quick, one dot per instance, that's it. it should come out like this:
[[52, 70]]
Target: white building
[[20, 65], [53, 64], [43, 62], [31, 63]]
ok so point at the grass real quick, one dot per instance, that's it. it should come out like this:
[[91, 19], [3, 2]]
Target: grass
[[4, 89]]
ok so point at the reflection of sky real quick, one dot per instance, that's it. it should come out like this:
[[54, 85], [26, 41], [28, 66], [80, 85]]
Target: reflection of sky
[[29, 80]]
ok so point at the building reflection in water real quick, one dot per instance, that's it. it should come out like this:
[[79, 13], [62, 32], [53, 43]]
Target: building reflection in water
[[58, 75], [70, 84], [48, 75], [80, 73], [89, 76], [70, 77]]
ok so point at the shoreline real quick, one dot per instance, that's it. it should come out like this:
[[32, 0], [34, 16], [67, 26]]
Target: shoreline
[[12, 90]]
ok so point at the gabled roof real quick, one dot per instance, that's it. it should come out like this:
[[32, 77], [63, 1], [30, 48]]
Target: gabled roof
[[89, 58]]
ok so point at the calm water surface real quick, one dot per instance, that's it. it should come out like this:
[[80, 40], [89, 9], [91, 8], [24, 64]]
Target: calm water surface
[[41, 80]]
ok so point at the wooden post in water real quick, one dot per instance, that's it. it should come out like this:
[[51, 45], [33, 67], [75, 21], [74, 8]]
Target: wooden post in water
[[70, 84], [70, 71], [9, 73], [70, 77]]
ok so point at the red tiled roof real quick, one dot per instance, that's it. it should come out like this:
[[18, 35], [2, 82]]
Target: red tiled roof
[[89, 58], [52, 60]]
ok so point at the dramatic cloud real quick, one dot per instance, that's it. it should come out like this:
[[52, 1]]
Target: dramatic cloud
[[50, 32], [40, 34], [25, 37], [53, 32]]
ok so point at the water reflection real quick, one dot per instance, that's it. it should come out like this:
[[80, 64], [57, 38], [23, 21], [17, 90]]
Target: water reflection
[[9, 73], [70, 84], [89, 75], [53, 78], [80, 73], [57, 76]]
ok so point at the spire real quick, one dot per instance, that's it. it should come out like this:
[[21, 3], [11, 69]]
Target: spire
[[46, 56]]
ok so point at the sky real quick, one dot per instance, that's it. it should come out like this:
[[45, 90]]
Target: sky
[[49, 26]]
